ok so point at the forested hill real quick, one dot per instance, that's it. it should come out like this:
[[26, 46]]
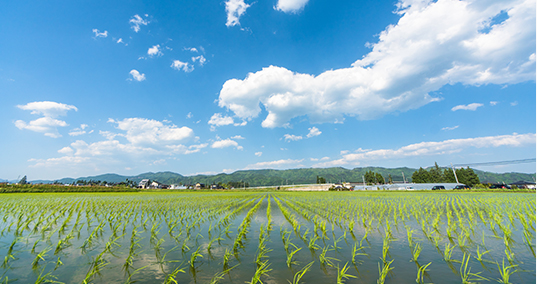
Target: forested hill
[[292, 176]]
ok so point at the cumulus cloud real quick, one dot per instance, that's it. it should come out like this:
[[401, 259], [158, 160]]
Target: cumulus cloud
[[99, 34], [185, 66], [273, 164], [48, 108], [219, 120], [471, 107], [290, 6], [48, 124], [235, 9], [154, 50], [515, 103], [493, 103], [141, 138], [136, 21], [136, 75], [226, 143], [433, 44], [141, 131], [258, 154], [432, 148], [314, 131]]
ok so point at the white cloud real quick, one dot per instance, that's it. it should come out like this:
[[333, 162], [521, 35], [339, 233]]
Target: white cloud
[[515, 103], [79, 130], [290, 6], [493, 103], [185, 66], [48, 124], [66, 151], [433, 148], [136, 21], [120, 40], [258, 154], [48, 108], [314, 131], [237, 137], [290, 137], [471, 107], [200, 59], [433, 44], [155, 50], [273, 164], [219, 120], [146, 141], [226, 143], [141, 131], [99, 34], [235, 9], [136, 75], [191, 49], [450, 128], [189, 115]]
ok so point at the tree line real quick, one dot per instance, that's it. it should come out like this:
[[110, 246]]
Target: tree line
[[438, 175]]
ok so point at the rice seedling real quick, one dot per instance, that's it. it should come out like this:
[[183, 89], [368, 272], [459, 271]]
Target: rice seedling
[[356, 251], [40, 256], [421, 271], [383, 272], [416, 252], [261, 270], [299, 274], [290, 257], [220, 275], [505, 272], [326, 260], [342, 274], [467, 276]]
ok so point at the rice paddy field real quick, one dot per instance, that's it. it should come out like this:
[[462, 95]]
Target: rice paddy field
[[276, 237]]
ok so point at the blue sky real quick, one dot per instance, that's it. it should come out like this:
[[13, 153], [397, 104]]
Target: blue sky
[[217, 86]]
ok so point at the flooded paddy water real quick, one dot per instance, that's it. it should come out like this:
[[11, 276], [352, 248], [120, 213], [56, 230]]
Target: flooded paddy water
[[276, 237]]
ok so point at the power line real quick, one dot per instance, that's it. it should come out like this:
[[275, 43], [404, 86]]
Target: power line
[[532, 160]]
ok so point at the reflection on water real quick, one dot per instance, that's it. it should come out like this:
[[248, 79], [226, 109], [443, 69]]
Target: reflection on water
[[226, 237]]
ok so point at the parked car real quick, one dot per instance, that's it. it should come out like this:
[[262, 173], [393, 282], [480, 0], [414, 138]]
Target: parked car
[[498, 185], [462, 186], [438, 187]]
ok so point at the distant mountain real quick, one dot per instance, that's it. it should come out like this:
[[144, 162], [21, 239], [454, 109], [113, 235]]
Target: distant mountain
[[293, 176]]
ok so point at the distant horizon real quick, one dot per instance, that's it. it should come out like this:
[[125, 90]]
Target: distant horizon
[[219, 86], [213, 174]]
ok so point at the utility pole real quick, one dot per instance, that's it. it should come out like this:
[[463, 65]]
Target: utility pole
[[454, 173], [404, 180], [363, 179]]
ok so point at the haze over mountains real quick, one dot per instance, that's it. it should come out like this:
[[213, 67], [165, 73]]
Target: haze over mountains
[[268, 177]]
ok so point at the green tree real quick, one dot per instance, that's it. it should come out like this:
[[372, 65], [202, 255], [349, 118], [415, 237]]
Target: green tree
[[379, 178], [369, 177], [321, 179], [421, 176], [435, 174], [467, 176], [390, 179], [449, 176]]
